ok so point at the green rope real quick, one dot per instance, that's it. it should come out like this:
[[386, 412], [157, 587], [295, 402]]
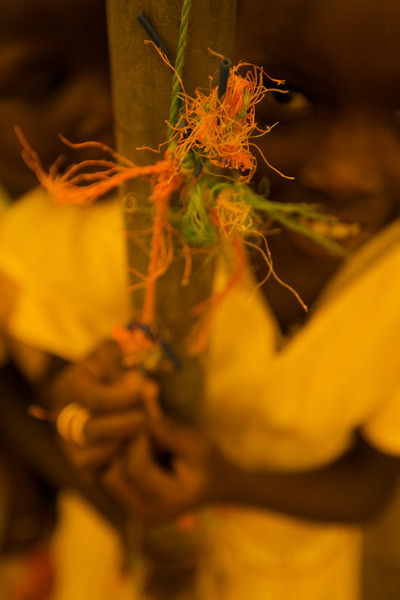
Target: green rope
[[180, 57], [199, 231]]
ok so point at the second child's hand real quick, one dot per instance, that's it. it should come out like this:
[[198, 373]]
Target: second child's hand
[[198, 474]]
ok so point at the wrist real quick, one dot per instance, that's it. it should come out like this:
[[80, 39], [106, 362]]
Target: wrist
[[228, 481]]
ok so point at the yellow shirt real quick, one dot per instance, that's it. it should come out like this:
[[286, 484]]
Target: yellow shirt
[[66, 261], [4, 203], [287, 407]]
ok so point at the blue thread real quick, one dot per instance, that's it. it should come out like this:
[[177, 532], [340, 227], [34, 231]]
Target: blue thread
[[224, 71], [143, 20], [156, 337]]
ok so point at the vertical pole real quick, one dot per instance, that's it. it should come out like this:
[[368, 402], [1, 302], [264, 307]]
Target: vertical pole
[[141, 81], [141, 94]]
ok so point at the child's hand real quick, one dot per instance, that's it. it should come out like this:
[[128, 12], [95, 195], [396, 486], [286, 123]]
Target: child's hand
[[157, 490], [102, 405]]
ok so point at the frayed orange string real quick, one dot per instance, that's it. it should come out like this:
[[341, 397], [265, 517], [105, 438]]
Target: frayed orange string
[[217, 130], [220, 129], [65, 188], [161, 195], [164, 179]]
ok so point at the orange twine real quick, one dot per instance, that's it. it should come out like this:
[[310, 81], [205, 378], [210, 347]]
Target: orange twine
[[216, 130], [221, 129]]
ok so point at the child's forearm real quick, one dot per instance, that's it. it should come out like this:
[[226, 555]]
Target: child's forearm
[[353, 489], [35, 442]]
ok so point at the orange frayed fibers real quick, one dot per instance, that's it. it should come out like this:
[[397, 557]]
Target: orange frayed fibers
[[219, 130], [75, 186], [216, 131], [67, 189]]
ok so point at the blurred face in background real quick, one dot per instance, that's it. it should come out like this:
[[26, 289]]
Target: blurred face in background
[[338, 131]]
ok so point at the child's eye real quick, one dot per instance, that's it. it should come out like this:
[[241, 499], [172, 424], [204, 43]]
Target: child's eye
[[290, 98], [288, 104]]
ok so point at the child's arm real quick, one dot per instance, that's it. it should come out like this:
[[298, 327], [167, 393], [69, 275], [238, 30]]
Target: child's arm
[[35, 443], [353, 489]]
